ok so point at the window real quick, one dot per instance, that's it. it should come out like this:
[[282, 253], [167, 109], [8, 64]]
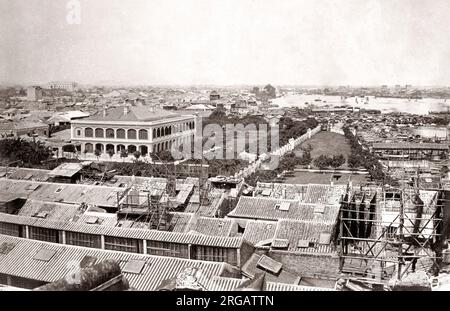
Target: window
[[131, 134], [10, 229], [6, 247], [109, 133], [134, 266], [44, 234], [89, 148], [78, 132], [99, 133], [216, 254], [44, 255], [167, 249], [120, 133], [88, 132], [143, 134], [268, 264], [83, 239], [122, 244]]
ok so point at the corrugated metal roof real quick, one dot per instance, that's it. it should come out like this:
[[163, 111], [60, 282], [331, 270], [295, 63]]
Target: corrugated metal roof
[[280, 287], [134, 233], [219, 283], [19, 262]]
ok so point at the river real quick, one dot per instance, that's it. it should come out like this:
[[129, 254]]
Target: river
[[384, 104]]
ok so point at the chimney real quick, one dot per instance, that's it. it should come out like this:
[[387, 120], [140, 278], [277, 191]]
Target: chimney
[[104, 112], [125, 110]]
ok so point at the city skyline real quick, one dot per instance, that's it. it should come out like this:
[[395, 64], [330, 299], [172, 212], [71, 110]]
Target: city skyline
[[326, 43]]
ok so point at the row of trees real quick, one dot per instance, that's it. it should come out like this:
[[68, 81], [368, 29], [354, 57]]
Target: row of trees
[[29, 152], [324, 161], [361, 157]]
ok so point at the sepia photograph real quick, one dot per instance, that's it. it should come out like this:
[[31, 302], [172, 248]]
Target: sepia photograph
[[201, 146]]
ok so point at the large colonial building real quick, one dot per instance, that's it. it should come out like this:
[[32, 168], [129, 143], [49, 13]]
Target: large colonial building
[[132, 128]]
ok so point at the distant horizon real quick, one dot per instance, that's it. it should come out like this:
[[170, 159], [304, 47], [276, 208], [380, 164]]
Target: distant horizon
[[233, 42], [129, 85]]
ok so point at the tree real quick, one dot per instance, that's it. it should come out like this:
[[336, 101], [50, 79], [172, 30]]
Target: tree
[[323, 162], [69, 148], [97, 153], [123, 154], [27, 151], [164, 156], [137, 154], [270, 91], [255, 90], [337, 160]]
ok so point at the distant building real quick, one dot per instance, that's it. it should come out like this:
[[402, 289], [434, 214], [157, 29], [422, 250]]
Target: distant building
[[19, 128], [411, 151], [214, 95], [133, 128], [68, 86], [34, 93], [66, 117]]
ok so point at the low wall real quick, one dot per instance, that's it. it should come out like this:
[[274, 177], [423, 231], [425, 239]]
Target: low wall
[[293, 143]]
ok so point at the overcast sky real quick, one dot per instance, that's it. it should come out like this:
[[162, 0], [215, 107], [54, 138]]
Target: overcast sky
[[314, 42]]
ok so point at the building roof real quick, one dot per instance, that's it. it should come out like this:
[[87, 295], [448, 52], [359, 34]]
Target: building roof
[[25, 173], [280, 287], [20, 262], [211, 226], [21, 125], [66, 170], [64, 193], [252, 267], [48, 210], [133, 233], [309, 193], [274, 209], [259, 231], [421, 146], [304, 237], [135, 113]]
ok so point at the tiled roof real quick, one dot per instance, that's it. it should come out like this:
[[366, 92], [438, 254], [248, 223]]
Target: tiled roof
[[257, 231], [135, 113], [19, 262], [265, 209], [310, 193], [211, 226], [26, 173], [53, 211], [63, 193], [301, 233]]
